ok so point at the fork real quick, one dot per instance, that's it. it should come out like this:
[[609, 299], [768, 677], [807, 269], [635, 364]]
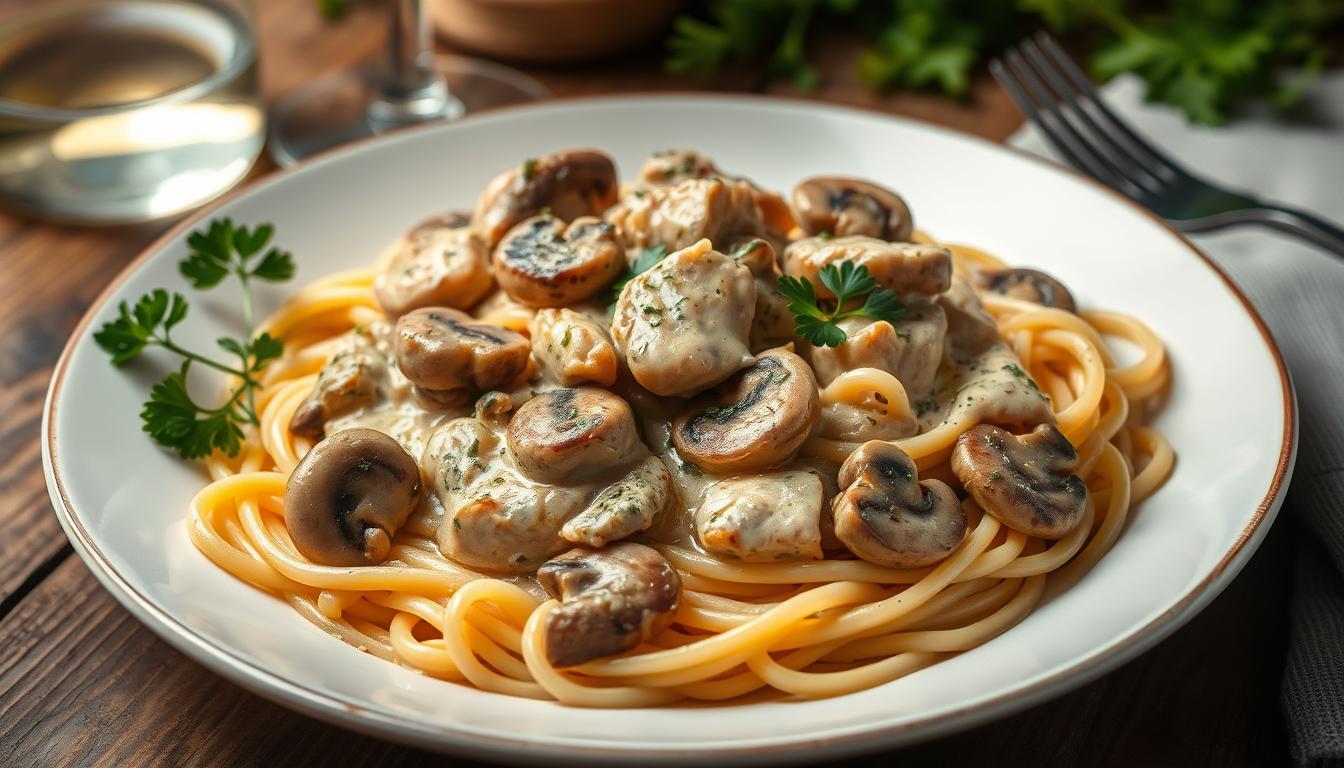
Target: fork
[[1059, 99]]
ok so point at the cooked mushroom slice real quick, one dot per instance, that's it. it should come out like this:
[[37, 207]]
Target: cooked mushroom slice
[[888, 517], [612, 600], [1029, 285], [357, 375], [677, 216], [572, 348], [438, 263], [574, 183], [910, 349], [902, 267], [1026, 482], [568, 435], [348, 497], [544, 263], [757, 419], [683, 325], [449, 355], [763, 518], [623, 508], [842, 206]]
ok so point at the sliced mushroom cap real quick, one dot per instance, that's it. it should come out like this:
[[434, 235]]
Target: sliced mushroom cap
[[347, 498], [574, 183], [546, 263], [902, 267], [1026, 482], [356, 375], [567, 435], [842, 206], [887, 516], [449, 355], [1029, 285], [612, 600], [757, 419], [441, 262]]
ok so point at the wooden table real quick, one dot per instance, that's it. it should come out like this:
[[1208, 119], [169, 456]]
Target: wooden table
[[83, 683]]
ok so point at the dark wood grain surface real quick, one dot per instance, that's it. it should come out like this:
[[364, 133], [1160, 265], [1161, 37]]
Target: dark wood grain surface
[[83, 683]]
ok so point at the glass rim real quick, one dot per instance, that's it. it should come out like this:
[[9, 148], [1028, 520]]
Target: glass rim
[[243, 55]]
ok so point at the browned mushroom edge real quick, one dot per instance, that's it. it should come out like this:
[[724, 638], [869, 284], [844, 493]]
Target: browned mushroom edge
[[759, 418], [573, 434], [612, 599], [1026, 482], [450, 355], [844, 206], [546, 263], [1027, 284], [573, 183], [889, 517], [348, 496]]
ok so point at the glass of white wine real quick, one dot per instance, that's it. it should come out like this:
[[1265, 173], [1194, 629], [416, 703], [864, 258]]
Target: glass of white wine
[[411, 87], [126, 110]]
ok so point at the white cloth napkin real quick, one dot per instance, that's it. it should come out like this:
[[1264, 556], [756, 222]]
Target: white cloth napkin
[[1297, 159]]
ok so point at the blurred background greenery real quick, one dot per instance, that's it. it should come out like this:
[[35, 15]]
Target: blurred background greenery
[[1203, 56]]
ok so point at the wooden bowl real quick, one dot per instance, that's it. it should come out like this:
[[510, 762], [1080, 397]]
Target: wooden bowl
[[550, 31]]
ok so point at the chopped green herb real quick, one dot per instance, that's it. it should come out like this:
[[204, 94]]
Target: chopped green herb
[[646, 260], [847, 281], [564, 340], [529, 168]]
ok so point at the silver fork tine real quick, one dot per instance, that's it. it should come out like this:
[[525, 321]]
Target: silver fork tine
[[1160, 164], [1100, 165], [1028, 107], [1134, 165]]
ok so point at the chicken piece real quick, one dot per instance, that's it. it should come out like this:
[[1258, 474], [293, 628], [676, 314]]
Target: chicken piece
[[571, 348], [910, 349], [683, 325], [970, 329], [494, 519], [771, 321], [677, 216], [763, 518], [624, 508], [356, 376], [901, 267]]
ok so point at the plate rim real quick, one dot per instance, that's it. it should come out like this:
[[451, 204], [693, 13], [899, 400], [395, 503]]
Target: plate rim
[[334, 710]]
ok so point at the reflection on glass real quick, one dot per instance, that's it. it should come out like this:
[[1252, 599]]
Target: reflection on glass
[[125, 110]]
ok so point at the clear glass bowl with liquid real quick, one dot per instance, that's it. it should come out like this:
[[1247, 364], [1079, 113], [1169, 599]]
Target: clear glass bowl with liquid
[[126, 110]]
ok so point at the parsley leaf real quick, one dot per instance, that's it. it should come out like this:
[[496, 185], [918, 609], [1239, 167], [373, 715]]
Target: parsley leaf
[[646, 260], [849, 282], [171, 416]]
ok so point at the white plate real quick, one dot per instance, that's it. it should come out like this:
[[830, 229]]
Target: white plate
[[1231, 418]]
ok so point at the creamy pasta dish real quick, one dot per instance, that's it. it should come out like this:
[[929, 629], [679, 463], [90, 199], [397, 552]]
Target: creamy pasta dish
[[681, 438]]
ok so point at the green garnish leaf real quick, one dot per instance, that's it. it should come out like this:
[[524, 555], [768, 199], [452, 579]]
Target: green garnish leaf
[[171, 416], [646, 260], [849, 282], [176, 421]]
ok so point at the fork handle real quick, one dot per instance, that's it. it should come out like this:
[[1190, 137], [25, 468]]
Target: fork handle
[[1307, 226]]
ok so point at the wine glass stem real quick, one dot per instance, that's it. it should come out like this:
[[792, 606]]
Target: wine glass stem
[[411, 90]]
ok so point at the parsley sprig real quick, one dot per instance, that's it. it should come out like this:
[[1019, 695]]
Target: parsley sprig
[[849, 282], [646, 260], [171, 416]]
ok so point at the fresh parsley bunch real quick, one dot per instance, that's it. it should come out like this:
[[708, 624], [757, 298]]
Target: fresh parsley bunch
[[849, 283], [171, 416], [1202, 56]]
